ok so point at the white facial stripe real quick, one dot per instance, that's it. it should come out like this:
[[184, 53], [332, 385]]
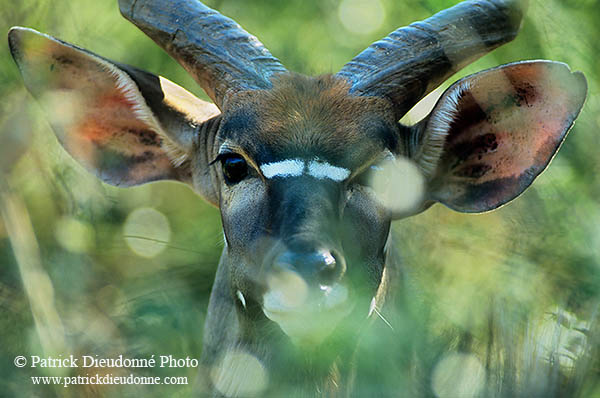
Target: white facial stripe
[[320, 169], [295, 168], [284, 168]]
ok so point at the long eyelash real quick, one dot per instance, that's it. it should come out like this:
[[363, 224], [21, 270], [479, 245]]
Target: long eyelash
[[215, 160], [220, 157]]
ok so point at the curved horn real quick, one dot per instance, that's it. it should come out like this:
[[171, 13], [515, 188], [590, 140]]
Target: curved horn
[[221, 56], [414, 60]]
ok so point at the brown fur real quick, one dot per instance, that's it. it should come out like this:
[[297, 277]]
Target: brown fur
[[317, 116]]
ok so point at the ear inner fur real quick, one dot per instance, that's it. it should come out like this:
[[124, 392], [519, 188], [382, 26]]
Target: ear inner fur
[[492, 133], [104, 119]]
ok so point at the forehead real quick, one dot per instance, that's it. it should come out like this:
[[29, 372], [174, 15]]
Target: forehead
[[309, 117]]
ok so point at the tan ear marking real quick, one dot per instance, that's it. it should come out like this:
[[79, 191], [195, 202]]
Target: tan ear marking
[[116, 120], [141, 110]]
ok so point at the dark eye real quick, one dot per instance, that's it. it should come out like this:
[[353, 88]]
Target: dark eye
[[235, 168]]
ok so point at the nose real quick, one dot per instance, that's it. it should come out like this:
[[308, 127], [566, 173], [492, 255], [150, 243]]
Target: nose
[[323, 266]]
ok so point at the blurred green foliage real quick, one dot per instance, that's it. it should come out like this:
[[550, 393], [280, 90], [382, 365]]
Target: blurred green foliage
[[539, 252]]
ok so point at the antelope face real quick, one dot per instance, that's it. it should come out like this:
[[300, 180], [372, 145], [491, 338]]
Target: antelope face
[[305, 231]]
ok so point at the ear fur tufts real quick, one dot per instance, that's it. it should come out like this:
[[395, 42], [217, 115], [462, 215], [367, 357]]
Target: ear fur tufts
[[438, 126], [142, 111]]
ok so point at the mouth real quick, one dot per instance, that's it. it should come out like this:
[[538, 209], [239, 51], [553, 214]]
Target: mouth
[[306, 315]]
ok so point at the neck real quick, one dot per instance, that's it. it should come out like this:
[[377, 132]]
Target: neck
[[327, 368]]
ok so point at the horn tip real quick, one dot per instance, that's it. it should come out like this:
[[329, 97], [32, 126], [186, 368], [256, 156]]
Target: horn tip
[[126, 7]]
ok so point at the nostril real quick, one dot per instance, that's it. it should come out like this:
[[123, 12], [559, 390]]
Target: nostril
[[327, 269], [323, 266], [330, 268]]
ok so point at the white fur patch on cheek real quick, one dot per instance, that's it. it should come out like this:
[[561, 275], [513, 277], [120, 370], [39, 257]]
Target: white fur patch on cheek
[[319, 169], [284, 168]]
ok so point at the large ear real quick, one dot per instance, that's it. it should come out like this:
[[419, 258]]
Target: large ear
[[125, 125], [491, 134]]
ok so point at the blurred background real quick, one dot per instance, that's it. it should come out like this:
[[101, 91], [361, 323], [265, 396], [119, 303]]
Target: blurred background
[[87, 268]]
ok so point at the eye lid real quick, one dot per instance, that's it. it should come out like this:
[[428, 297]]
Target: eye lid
[[235, 165], [226, 155], [229, 149]]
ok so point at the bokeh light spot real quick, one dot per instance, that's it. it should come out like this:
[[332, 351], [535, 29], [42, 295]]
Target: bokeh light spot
[[147, 232], [399, 184], [458, 375], [74, 235], [239, 374], [287, 288], [361, 16]]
